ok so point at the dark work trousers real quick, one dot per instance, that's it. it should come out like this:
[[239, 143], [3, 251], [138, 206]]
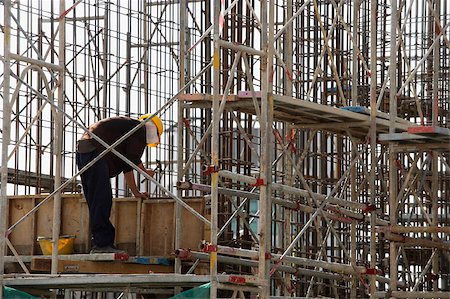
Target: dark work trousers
[[97, 190]]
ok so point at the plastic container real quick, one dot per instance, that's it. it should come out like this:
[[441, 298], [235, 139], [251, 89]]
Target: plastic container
[[65, 244]]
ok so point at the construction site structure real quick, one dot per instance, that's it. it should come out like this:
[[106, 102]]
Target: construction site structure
[[305, 151]]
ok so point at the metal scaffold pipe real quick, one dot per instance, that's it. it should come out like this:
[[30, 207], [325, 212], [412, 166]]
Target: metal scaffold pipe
[[246, 257], [293, 205], [254, 263], [292, 190], [412, 295], [6, 138], [58, 139]]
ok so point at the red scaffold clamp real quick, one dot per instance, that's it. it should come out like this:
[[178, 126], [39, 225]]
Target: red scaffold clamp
[[208, 247], [187, 123], [372, 271], [431, 277], [210, 169], [259, 182], [183, 253], [369, 208], [237, 280], [121, 256]]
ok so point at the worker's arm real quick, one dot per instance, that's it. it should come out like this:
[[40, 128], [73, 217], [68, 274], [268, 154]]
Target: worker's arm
[[150, 172], [131, 182]]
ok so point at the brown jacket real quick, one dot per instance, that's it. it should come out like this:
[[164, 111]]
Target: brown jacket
[[110, 130]]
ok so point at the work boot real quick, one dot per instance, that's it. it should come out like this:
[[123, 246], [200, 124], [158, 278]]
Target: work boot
[[106, 249]]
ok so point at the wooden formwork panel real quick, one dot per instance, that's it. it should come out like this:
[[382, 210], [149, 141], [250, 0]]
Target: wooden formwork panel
[[159, 227], [111, 267], [23, 237], [143, 227]]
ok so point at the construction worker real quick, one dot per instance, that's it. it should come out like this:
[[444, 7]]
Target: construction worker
[[96, 180]]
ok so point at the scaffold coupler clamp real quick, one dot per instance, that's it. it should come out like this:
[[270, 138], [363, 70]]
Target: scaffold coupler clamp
[[182, 253], [369, 208], [184, 185], [207, 170], [431, 277], [237, 279], [187, 123], [372, 271], [208, 247], [259, 182], [121, 256]]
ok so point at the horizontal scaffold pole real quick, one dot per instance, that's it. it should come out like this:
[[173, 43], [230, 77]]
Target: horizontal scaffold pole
[[292, 190], [254, 263], [415, 229], [411, 295], [285, 203], [335, 267]]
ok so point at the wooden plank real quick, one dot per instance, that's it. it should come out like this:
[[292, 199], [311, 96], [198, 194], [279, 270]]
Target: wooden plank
[[159, 228], [429, 130], [44, 220], [85, 235], [70, 221], [34, 245], [137, 234], [142, 225], [245, 94], [66, 266], [390, 137], [203, 97], [192, 228], [43, 181], [98, 257], [325, 126], [22, 237], [42, 196], [125, 214]]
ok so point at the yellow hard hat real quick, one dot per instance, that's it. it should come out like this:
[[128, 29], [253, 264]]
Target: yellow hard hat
[[158, 123]]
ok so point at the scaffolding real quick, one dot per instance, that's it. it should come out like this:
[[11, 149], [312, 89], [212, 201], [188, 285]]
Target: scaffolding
[[315, 131]]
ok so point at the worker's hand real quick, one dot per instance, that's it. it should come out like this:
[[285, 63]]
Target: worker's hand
[[138, 194], [150, 172]]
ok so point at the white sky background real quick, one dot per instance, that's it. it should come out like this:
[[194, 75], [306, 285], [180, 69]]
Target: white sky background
[[163, 66], [89, 73]]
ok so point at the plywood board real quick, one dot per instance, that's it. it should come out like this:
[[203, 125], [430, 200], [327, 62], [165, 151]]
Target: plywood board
[[65, 266], [126, 218], [152, 222], [158, 228], [71, 220], [23, 236], [159, 224], [192, 230]]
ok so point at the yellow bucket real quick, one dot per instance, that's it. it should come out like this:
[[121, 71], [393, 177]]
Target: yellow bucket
[[65, 244]]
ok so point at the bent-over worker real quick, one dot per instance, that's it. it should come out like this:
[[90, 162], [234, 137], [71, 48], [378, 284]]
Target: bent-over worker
[[96, 180]]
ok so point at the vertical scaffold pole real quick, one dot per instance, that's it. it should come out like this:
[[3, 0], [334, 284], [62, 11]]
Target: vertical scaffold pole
[[267, 43], [354, 90], [373, 137], [392, 153], [180, 163], [435, 159], [289, 55], [58, 140], [6, 137], [215, 149]]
